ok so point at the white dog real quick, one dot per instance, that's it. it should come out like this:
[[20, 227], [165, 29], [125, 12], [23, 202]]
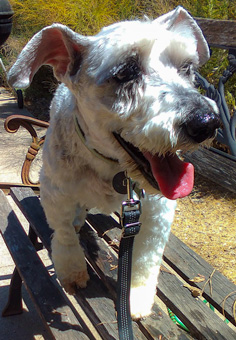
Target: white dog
[[127, 102]]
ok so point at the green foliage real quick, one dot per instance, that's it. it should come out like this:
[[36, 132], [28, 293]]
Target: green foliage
[[87, 17], [83, 16], [215, 9]]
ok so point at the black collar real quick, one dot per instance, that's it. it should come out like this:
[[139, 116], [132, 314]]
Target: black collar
[[93, 151]]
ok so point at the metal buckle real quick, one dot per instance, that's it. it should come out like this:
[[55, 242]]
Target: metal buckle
[[129, 206], [131, 230]]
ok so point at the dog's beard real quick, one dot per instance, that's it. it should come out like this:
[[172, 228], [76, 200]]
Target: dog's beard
[[166, 173]]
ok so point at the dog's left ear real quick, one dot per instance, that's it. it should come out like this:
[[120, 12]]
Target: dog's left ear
[[55, 45], [180, 17]]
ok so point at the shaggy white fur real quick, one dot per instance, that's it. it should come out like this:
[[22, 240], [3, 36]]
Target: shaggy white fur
[[135, 79]]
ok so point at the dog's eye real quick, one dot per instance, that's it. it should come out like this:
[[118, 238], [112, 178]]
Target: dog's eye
[[186, 69], [127, 71]]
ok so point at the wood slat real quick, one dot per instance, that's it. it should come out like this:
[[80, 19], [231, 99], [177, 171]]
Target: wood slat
[[188, 265], [95, 295], [159, 325], [52, 307], [219, 33], [213, 166], [197, 316], [31, 208], [202, 322], [102, 309]]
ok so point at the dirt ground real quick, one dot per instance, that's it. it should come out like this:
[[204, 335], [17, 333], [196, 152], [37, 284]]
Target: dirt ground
[[206, 222]]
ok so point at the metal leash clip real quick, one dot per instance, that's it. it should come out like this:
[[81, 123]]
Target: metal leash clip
[[130, 212]]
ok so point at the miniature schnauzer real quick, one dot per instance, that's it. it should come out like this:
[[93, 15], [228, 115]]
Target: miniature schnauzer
[[127, 102]]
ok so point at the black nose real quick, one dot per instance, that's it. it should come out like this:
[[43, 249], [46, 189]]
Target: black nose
[[201, 125]]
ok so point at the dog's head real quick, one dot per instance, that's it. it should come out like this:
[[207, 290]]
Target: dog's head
[[135, 82]]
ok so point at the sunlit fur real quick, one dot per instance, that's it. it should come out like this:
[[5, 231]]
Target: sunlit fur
[[148, 111]]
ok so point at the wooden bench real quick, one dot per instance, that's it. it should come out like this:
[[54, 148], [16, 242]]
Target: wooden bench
[[65, 321], [91, 313]]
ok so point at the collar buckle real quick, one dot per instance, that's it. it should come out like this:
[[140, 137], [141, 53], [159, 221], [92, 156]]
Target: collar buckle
[[130, 212]]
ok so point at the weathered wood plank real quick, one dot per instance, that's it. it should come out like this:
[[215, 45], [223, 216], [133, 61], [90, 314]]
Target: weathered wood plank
[[95, 296], [219, 33], [31, 208], [101, 309], [105, 263], [106, 259], [202, 322], [53, 309], [213, 166], [188, 265], [98, 304]]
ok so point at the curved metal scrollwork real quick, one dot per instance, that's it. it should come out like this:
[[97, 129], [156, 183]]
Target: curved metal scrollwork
[[227, 134], [12, 124]]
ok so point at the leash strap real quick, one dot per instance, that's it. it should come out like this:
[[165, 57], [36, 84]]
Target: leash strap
[[123, 293], [131, 210]]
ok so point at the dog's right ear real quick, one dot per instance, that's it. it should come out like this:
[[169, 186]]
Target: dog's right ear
[[55, 45]]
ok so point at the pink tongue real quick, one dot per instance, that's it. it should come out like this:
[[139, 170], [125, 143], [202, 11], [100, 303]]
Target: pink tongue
[[174, 177]]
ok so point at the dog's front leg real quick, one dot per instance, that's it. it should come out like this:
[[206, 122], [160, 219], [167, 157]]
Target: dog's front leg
[[67, 253], [157, 216]]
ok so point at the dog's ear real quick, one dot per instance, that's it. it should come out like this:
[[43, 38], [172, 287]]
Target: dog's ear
[[178, 18], [55, 45]]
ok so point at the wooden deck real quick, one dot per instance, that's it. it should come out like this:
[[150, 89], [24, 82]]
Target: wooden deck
[[93, 316]]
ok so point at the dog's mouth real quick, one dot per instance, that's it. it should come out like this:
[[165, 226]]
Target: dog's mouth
[[173, 177]]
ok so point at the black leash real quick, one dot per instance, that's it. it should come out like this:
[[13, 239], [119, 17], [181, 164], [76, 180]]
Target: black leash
[[123, 291], [131, 210]]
